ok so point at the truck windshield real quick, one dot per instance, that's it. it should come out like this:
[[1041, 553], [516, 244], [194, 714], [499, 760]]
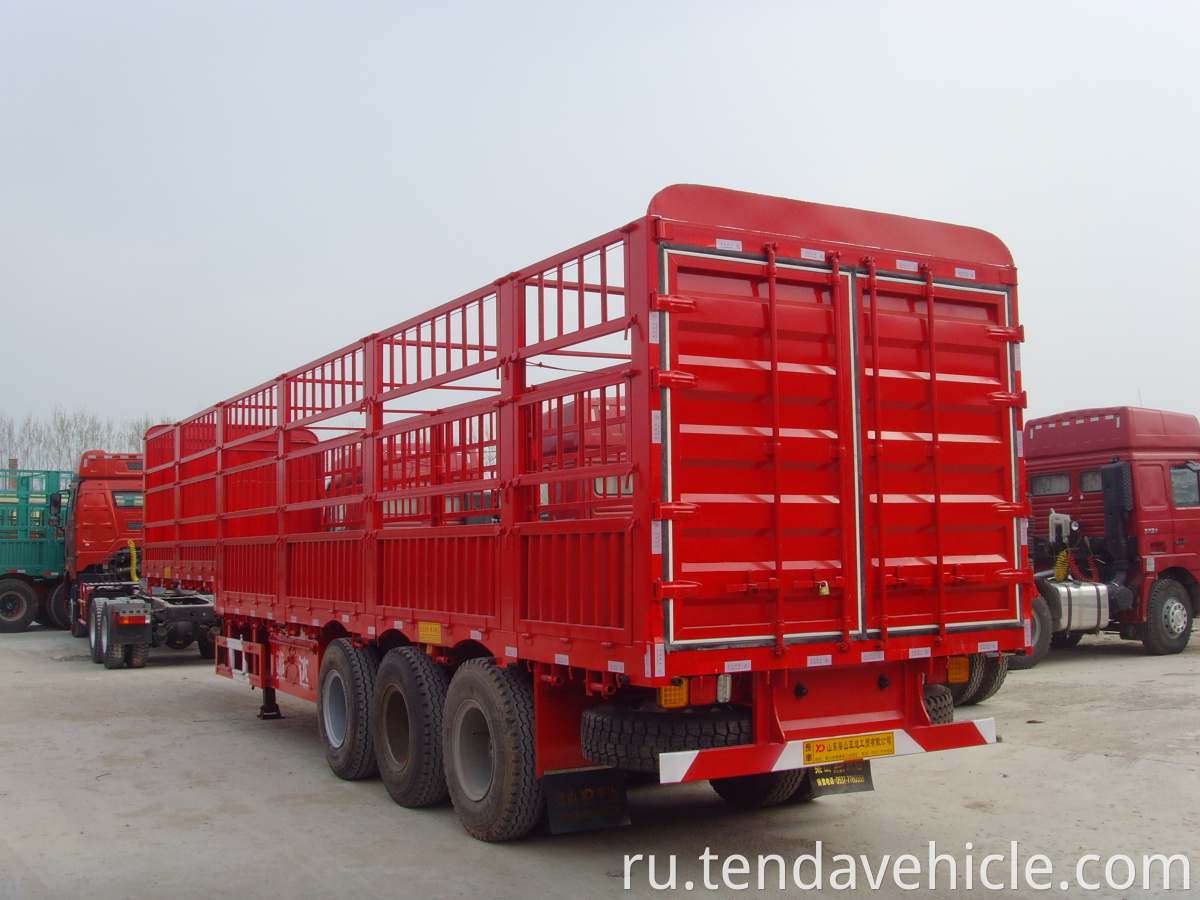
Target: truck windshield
[[127, 499]]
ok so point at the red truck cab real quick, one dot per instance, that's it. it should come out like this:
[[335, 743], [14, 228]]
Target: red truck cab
[[1116, 534]]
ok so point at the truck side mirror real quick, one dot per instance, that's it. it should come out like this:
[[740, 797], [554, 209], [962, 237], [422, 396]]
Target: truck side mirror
[[55, 504], [1194, 466]]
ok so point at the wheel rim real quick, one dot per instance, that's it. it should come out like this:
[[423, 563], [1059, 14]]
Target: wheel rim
[[12, 605], [397, 729], [1174, 617], [103, 634], [335, 709], [91, 623], [474, 764]]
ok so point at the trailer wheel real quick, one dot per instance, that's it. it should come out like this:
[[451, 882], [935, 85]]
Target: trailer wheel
[[112, 653], [489, 750], [1040, 645], [804, 793], [57, 607], [1065, 640], [136, 655], [939, 703], [759, 791], [410, 697], [18, 605], [94, 631], [995, 670], [1168, 618], [964, 691], [345, 689], [42, 616], [632, 739]]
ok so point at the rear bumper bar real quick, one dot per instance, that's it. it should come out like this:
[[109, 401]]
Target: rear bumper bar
[[700, 765]]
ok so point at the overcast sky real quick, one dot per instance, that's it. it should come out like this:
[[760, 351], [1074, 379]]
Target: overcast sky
[[198, 196]]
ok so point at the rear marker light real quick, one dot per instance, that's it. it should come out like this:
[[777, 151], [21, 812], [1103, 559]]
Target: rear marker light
[[724, 688], [958, 669], [673, 696], [703, 690], [131, 620]]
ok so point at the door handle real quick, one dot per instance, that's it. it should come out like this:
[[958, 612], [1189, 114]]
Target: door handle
[[1180, 542]]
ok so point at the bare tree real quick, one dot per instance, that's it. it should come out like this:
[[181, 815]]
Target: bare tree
[[56, 441]]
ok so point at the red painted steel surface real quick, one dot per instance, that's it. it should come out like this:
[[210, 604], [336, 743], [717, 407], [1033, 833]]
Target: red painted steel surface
[[740, 434]]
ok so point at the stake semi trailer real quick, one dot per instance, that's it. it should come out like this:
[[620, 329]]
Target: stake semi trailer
[[715, 495], [31, 554]]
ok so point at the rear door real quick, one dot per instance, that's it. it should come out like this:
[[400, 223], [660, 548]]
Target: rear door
[[817, 508]]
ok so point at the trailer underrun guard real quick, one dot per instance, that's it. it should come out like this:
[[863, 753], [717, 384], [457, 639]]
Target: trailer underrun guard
[[730, 492]]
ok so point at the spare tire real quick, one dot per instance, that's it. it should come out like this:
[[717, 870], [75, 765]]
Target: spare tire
[[632, 739]]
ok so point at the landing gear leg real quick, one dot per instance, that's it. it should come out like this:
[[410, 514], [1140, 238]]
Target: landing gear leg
[[269, 708]]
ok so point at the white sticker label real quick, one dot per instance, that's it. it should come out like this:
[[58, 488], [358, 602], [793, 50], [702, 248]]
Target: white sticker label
[[989, 646], [1024, 532], [370, 629], [825, 660], [510, 651], [1021, 444], [965, 273], [656, 426], [618, 667], [399, 625], [647, 662], [561, 659], [726, 244], [907, 265], [655, 319], [344, 618], [737, 665], [1151, 562], [660, 661], [872, 656], [1017, 357], [656, 536], [815, 255], [476, 636], [1028, 633], [920, 652]]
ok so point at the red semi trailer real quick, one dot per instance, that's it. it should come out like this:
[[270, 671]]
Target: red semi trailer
[[1116, 502], [716, 495]]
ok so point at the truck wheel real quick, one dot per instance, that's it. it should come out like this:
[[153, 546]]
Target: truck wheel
[[489, 749], [964, 691], [995, 670], [113, 653], [410, 697], [94, 629], [1168, 618], [18, 605], [1041, 626], [136, 655], [56, 607], [42, 616], [759, 791], [804, 793], [1065, 640], [630, 739], [345, 688], [207, 646], [939, 703]]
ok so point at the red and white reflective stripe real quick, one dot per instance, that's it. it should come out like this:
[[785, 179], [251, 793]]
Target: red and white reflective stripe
[[694, 765]]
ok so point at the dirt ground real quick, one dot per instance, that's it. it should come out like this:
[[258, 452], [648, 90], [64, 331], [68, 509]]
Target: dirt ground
[[162, 783]]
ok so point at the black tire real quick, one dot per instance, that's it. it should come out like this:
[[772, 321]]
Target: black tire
[[490, 752], [18, 605], [78, 629], [345, 689], [939, 703], [804, 793], [1065, 640], [136, 655], [207, 646], [995, 670], [962, 692], [42, 616], [1041, 625], [95, 629], [759, 791], [632, 740], [56, 607], [1168, 618], [112, 653], [407, 712]]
